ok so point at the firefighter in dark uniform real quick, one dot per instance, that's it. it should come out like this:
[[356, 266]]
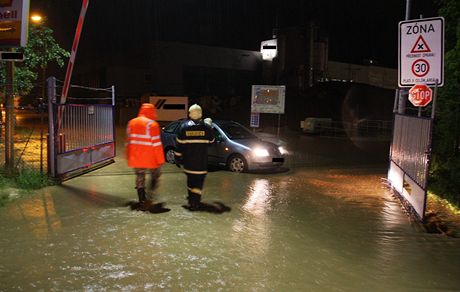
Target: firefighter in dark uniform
[[192, 151]]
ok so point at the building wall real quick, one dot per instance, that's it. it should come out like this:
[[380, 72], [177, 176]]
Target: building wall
[[371, 75]]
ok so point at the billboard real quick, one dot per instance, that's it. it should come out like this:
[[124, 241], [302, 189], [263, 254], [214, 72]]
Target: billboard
[[14, 21], [268, 99]]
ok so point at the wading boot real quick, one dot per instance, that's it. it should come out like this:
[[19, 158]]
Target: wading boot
[[141, 195], [194, 202]]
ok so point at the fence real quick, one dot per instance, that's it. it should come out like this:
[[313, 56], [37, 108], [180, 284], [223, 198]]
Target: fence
[[29, 140]]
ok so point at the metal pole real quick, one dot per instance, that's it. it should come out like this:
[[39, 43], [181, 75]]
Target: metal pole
[[9, 119], [395, 104], [51, 82], [42, 118], [435, 95], [279, 121], [402, 101], [408, 6], [311, 55]]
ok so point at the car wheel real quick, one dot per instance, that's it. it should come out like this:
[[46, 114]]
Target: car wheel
[[169, 155], [237, 163]]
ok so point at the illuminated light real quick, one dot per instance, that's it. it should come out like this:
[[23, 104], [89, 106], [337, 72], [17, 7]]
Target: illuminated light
[[282, 150], [36, 18], [269, 49], [260, 152], [226, 148]]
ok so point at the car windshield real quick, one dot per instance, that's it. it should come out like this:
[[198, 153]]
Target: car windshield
[[236, 131]]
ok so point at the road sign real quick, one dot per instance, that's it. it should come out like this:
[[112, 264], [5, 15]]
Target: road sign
[[421, 52], [12, 56], [255, 120], [14, 22], [268, 99], [420, 95]]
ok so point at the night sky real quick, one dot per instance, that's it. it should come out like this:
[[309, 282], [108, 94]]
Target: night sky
[[357, 30]]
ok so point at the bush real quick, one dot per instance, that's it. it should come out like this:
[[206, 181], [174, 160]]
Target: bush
[[31, 179]]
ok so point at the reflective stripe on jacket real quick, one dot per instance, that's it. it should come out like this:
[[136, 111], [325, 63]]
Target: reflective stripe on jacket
[[144, 148]]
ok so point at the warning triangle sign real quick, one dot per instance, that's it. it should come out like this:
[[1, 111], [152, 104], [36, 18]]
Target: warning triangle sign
[[420, 46]]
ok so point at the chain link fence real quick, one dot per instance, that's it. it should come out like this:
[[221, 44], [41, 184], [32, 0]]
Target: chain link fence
[[29, 140]]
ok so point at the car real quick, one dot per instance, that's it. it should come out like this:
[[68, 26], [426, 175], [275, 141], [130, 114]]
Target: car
[[235, 147]]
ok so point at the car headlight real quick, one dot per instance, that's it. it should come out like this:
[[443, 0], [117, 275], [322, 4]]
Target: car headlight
[[282, 150], [260, 152]]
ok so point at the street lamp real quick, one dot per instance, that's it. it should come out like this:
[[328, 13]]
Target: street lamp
[[36, 18]]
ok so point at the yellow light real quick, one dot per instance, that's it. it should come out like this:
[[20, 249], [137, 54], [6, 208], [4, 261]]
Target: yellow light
[[36, 18]]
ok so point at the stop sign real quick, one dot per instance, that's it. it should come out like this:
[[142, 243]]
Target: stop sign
[[420, 95]]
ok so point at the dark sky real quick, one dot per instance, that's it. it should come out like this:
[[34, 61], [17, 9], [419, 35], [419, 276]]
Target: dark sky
[[357, 30]]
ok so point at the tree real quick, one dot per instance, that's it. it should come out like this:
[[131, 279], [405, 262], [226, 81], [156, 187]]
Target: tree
[[445, 166], [41, 50]]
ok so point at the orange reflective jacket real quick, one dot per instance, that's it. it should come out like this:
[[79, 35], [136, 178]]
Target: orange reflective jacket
[[144, 148]]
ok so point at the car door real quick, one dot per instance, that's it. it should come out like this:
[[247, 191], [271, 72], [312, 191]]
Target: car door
[[216, 150]]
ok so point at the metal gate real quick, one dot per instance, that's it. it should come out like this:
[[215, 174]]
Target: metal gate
[[409, 161], [82, 133]]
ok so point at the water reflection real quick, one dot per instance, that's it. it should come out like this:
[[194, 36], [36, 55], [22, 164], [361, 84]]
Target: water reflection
[[314, 230], [38, 213], [258, 198], [252, 230]]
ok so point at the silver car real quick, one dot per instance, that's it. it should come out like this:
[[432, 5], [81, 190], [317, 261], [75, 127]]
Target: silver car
[[235, 147]]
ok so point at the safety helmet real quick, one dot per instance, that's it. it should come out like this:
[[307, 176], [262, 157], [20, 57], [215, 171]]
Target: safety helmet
[[194, 112]]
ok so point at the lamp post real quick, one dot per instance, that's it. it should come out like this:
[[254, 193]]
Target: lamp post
[[37, 20]]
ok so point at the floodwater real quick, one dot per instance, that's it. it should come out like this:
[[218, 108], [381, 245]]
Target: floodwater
[[313, 227]]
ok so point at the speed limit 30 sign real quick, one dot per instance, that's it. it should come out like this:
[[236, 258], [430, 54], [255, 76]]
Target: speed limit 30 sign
[[421, 52]]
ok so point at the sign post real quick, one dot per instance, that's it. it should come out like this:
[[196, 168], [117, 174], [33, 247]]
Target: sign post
[[421, 52], [14, 22]]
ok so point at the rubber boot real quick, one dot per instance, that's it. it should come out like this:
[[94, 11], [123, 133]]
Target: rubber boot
[[141, 195], [194, 202]]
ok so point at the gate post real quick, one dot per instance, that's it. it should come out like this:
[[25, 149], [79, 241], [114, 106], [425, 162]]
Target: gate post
[[51, 84]]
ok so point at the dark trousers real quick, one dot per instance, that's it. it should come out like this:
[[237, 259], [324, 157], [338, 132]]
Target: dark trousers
[[195, 184], [155, 174]]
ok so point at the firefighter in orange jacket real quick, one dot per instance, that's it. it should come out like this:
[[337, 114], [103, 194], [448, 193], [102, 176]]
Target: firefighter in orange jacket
[[144, 149]]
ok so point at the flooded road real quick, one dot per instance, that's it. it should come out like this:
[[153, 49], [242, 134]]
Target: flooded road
[[307, 229]]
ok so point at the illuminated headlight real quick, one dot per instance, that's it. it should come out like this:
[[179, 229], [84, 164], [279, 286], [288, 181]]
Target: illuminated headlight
[[282, 150], [260, 152]]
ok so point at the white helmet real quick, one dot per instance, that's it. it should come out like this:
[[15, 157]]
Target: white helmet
[[194, 112]]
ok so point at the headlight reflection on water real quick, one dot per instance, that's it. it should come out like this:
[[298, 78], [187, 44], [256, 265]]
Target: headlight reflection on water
[[257, 202], [253, 230]]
